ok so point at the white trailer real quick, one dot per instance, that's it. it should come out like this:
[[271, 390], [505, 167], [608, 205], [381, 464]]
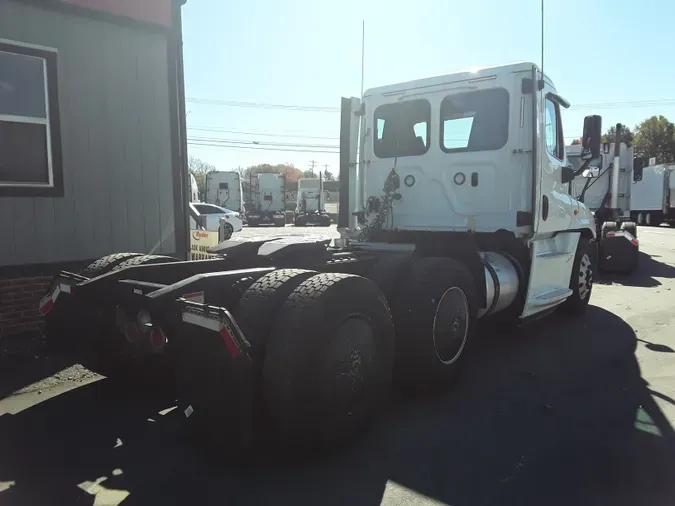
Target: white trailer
[[310, 207], [267, 199], [651, 202], [224, 189]]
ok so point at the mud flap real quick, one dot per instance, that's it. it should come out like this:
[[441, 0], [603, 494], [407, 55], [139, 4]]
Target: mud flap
[[618, 252], [214, 377]]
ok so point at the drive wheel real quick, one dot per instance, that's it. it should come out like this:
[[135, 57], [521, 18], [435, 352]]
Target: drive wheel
[[581, 280], [435, 317], [329, 359]]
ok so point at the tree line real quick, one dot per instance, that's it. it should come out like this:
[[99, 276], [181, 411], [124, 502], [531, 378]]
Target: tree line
[[652, 138], [199, 169]]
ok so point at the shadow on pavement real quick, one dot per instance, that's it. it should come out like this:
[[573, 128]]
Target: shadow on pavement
[[645, 276], [556, 413]]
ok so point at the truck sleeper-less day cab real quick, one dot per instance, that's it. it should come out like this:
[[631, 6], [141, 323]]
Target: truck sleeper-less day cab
[[456, 209], [618, 246]]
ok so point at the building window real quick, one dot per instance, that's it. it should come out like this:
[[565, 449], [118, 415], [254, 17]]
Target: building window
[[475, 121], [30, 142], [402, 129]]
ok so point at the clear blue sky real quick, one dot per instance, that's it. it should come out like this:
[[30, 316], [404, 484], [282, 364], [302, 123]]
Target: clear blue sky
[[308, 53]]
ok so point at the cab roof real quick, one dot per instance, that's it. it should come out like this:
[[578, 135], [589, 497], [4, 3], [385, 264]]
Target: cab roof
[[470, 75]]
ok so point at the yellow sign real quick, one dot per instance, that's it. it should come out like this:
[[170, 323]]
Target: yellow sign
[[201, 241]]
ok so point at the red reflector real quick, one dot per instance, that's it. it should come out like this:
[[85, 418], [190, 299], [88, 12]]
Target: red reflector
[[635, 242], [157, 338], [610, 234], [131, 332], [46, 307], [229, 343]]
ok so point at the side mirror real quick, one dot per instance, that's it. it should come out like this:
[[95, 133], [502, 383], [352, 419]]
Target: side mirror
[[567, 174], [638, 166], [592, 135]]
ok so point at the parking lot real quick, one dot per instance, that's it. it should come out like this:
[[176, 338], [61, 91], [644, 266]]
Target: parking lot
[[559, 412]]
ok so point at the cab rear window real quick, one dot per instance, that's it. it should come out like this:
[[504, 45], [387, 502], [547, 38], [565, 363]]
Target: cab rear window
[[475, 121], [402, 129]]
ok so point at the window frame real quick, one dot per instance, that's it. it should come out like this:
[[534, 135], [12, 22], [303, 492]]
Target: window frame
[[427, 143], [441, 121], [560, 143], [53, 187]]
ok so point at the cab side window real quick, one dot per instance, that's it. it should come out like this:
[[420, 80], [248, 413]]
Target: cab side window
[[554, 138]]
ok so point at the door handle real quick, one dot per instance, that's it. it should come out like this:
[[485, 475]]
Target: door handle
[[544, 207], [474, 179]]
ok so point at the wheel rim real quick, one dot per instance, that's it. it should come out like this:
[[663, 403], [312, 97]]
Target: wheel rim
[[585, 277], [451, 325], [348, 362], [640, 219], [228, 231]]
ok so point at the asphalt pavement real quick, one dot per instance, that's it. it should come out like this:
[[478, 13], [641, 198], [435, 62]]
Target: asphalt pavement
[[563, 411]]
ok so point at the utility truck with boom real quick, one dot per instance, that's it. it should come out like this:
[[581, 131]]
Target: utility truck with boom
[[267, 199], [224, 189], [653, 202], [456, 209], [311, 203], [604, 185]]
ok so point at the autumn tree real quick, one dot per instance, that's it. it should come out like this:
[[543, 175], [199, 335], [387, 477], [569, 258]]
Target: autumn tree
[[655, 137], [328, 176], [287, 169], [576, 142]]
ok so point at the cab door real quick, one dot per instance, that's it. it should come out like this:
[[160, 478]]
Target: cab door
[[552, 252], [555, 206]]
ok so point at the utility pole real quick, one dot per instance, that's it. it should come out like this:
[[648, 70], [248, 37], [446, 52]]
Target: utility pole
[[325, 168], [312, 164]]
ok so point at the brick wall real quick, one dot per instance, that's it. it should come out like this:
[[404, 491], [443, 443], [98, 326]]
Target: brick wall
[[19, 298]]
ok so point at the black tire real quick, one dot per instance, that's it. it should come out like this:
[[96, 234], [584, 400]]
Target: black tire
[[581, 279], [300, 221], [280, 223], [228, 230], [260, 303], [106, 263], [145, 260], [422, 365], [329, 360], [386, 273]]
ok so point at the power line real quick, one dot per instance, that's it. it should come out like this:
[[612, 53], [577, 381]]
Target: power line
[[263, 105], [262, 143], [263, 134], [257, 148], [628, 105]]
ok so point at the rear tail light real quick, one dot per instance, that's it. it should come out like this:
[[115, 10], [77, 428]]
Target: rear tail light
[[131, 332], [157, 339]]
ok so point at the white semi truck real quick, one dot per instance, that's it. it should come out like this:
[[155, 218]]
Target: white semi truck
[[604, 184], [224, 189], [310, 207], [652, 201], [456, 209], [267, 200]]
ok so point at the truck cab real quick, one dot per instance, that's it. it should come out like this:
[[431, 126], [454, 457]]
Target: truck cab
[[469, 161]]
